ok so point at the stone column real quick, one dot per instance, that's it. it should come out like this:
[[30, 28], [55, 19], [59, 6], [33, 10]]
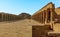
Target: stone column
[[51, 19], [2, 16], [39, 17], [9, 17], [14, 18], [52, 11], [43, 17], [5, 17], [46, 17]]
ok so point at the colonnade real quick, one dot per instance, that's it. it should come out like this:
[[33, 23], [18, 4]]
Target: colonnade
[[45, 16], [8, 17]]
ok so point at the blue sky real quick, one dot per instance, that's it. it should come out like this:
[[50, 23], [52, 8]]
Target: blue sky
[[27, 6]]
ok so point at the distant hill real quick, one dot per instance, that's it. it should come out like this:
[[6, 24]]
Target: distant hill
[[24, 16], [58, 7]]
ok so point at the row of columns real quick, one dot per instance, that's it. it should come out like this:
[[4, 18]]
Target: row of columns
[[45, 16], [8, 17]]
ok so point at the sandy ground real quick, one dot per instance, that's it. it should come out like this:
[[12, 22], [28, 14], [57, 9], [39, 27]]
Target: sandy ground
[[21, 28]]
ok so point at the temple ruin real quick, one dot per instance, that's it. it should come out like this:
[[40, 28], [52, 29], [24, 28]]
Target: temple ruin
[[43, 23]]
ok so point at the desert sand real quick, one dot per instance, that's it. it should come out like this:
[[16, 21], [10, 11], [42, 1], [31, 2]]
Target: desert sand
[[21, 28]]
